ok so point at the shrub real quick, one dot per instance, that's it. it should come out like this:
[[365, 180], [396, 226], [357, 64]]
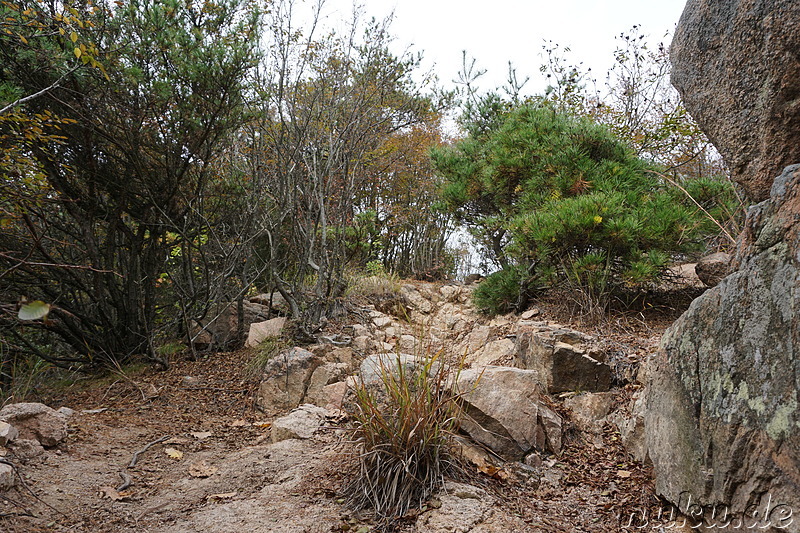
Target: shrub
[[561, 202], [504, 291], [403, 433]]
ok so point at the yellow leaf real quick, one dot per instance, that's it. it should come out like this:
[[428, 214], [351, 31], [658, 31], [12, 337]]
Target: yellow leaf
[[173, 453], [23, 39], [77, 52], [73, 37]]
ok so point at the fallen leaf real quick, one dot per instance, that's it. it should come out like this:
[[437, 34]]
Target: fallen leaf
[[222, 496], [624, 473], [202, 469], [262, 424], [238, 423], [175, 454], [200, 435]]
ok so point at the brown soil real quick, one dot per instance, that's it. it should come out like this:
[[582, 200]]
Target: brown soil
[[291, 486]]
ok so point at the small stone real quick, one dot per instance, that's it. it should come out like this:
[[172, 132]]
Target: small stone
[[190, 382], [381, 321], [7, 477], [259, 331], [7, 433], [533, 460], [66, 412], [713, 268], [530, 313]]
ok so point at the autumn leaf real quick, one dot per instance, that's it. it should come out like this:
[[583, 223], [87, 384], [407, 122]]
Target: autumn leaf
[[33, 310], [173, 453]]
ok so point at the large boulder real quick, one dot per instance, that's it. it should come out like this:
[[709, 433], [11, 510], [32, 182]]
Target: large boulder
[[721, 410], [36, 421], [563, 359], [286, 378], [503, 411], [260, 331], [736, 66]]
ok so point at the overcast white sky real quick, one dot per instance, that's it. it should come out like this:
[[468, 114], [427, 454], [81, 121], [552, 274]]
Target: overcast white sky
[[498, 31]]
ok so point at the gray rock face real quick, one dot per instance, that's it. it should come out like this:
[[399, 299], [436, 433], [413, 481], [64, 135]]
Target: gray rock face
[[373, 367], [721, 408], [462, 508], [7, 477], [503, 411], [736, 66], [712, 268], [259, 331], [301, 423], [286, 379], [36, 421], [7, 433], [556, 354]]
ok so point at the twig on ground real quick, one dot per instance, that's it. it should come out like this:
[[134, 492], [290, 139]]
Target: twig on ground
[[126, 482], [147, 447]]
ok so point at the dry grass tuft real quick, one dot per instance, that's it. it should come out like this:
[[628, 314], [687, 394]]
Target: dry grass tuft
[[403, 429]]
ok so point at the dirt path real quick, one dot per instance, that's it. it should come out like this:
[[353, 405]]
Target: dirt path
[[257, 486]]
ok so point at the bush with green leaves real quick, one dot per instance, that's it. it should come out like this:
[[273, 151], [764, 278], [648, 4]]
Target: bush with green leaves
[[561, 202]]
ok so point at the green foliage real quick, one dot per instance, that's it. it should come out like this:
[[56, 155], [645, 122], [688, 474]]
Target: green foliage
[[403, 431], [117, 181], [504, 291], [567, 202]]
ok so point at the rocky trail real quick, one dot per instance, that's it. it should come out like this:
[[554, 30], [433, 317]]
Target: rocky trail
[[553, 441]]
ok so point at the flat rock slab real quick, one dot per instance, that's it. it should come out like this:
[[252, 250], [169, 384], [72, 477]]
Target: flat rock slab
[[301, 423], [260, 331]]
